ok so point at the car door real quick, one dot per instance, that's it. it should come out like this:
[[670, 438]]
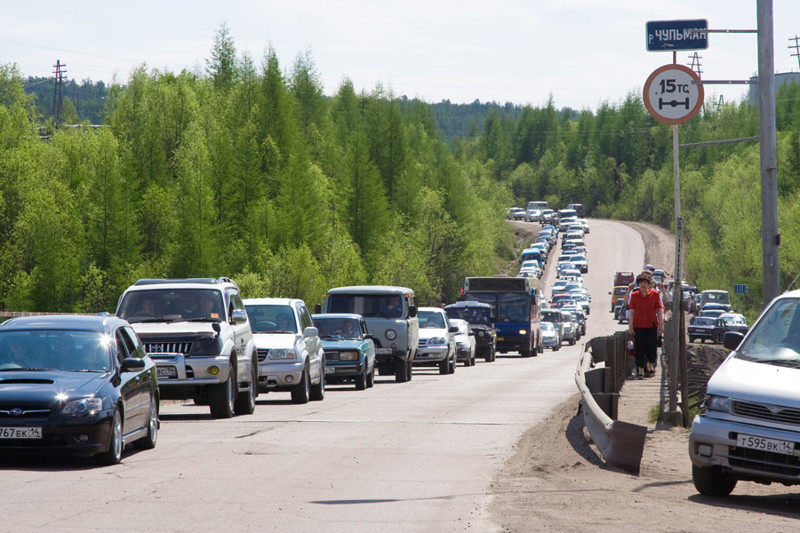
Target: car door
[[242, 336], [133, 386], [313, 343]]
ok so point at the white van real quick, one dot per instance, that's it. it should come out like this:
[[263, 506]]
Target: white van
[[750, 427]]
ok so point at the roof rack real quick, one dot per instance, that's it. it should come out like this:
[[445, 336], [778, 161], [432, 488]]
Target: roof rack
[[156, 281]]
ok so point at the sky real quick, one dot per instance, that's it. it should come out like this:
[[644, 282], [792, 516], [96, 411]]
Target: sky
[[581, 53]]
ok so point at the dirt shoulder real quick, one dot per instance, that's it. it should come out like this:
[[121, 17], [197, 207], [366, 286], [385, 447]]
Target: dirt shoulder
[[557, 480]]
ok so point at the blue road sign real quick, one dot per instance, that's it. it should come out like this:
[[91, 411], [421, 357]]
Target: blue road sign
[[740, 289], [670, 35]]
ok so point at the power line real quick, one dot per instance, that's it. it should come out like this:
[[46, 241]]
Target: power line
[[796, 47], [57, 96]]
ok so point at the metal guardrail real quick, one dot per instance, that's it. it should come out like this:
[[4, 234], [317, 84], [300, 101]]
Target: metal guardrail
[[620, 443]]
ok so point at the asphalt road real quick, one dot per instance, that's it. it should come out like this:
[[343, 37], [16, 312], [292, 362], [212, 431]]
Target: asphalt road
[[418, 456]]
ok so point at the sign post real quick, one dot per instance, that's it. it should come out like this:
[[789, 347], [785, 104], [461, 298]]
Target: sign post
[[673, 94]]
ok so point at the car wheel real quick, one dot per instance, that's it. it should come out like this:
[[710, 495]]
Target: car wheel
[[409, 371], [444, 366], [452, 369], [246, 401], [361, 380], [318, 390], [712, 481], [113, 455], [400, 371], [540, 347], [300, 392], [572, 342], [148, 442], [371, 379], [487, 355], [222, 396]]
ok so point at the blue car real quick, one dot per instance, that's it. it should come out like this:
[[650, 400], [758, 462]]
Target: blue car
[[349, 349]]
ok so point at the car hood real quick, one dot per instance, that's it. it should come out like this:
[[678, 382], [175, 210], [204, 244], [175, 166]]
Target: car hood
[[275, 340], [343, 344], [151, 329], [429, 333], [36, 386], [756, 382]]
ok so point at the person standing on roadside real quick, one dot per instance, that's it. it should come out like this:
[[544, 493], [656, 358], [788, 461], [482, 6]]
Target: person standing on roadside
[[646, 324]]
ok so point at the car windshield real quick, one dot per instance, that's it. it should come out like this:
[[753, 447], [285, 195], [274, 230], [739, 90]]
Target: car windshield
[[775, 338], [367, 305], [702, 321], [172, 305], [431, 319], [547, 327], [67, 350], [272, 318], [473, 315], [732, 319], [343, 328]]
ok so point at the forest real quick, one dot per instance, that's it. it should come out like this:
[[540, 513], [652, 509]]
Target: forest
[[248, 170]]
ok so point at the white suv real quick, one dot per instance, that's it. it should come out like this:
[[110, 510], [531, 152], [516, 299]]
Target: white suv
[[437, 344], [197, 332], [290, 354]]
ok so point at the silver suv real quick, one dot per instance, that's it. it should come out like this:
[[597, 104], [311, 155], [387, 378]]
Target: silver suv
[[197, 332], [391, 316], [290, 354]]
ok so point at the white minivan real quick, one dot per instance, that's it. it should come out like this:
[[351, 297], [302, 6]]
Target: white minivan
[[750, 427]]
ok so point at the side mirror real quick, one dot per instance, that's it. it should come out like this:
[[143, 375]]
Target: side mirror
[[239, 316], [132, 363], [317, 309], [453, 329], [412, 311], [310, 332], [732, 339]]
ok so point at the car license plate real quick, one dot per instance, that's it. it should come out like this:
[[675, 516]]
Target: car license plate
[[167, 372], [500, 338], [768, 445], [20, 433], [383, 350], [330, 370]]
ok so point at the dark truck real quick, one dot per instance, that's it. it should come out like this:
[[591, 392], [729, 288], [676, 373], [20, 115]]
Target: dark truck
[[481, 319]]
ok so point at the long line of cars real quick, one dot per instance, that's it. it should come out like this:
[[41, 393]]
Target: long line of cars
[[90, 385], [564, 315]]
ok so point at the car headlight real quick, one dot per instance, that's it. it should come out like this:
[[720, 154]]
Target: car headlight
[[282, 353], [523, 332], [718, 403], [84, 406], [348, 356], [391, 334], [437, 340], [460, 343]]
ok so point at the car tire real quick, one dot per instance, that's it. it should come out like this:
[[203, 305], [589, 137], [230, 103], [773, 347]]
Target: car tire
[[400, 371], [246, 401], [301, 391], [148, 442], [222, 396], [444, 367], [712, 481], [409, 370], [361, 380], [540, 347], [113, 455], [318, 390], [572, 342], [371, 379]]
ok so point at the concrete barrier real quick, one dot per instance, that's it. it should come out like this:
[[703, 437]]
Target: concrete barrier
[[620, 443]]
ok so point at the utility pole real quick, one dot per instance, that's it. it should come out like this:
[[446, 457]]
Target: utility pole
[[695, 64], [770, 238], [57, 96], [796, 49]]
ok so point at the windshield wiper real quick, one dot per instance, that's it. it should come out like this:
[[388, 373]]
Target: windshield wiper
[[791, 363], [200, 319]]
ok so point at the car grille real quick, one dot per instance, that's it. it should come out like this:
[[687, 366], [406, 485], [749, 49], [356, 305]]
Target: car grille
[[26, 413], [782, 415], [768, 462], [262, 354], [183, 347], [423, 343]]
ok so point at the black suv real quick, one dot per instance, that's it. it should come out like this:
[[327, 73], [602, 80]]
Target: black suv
[[481, 322]]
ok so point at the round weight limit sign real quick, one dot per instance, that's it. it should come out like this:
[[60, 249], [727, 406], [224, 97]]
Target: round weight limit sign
[[673, 94]]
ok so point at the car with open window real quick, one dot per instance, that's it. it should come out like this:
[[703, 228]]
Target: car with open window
[[349, 349]]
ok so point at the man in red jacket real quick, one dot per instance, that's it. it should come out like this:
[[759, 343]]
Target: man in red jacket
[[646, 324]]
